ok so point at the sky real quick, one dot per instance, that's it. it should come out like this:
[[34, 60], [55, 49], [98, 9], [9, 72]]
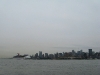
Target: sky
[[50, 26]]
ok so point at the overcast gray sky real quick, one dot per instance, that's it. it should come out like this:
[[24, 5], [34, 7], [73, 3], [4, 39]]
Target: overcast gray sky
[[30, 26]]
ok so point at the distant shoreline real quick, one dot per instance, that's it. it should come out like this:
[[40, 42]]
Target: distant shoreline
[[48, 59]]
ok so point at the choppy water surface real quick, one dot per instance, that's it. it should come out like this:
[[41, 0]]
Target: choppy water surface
[[49, 67]]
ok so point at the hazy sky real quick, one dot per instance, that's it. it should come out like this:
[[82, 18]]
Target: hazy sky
[[30, 26]]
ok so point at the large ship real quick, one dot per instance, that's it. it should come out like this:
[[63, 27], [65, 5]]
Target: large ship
[[18, 56]]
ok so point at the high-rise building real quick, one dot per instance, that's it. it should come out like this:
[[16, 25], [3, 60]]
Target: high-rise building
[[36, 55], [51, 56], [46, 55], [73, 53], [56, 55], [60, 54], [81, 52], [40, 54], [90, 52]]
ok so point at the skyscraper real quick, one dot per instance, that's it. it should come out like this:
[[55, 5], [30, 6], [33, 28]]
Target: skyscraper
[[36, 55], [90, 52], [46, 55], [40, 54]]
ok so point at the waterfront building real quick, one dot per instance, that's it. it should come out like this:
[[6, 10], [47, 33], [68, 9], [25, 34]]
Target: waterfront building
[[60, 54], [90, 52], [63, 54], [78, 52], [51, 56], [40, 54], [46, 55], [73, 53], [81, 51], [56, 55], [36, 55]]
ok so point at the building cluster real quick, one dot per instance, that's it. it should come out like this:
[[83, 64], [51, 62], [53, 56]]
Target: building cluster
[[65, 55], [68, 55]]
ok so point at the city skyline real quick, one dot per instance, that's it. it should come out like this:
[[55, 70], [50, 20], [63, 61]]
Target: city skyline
[[48, 26], [62, 55], [40, 54]]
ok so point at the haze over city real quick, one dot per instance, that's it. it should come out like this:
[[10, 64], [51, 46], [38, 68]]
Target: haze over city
[[30, 26]]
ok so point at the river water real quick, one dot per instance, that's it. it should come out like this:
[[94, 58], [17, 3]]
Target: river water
[[49, 67]]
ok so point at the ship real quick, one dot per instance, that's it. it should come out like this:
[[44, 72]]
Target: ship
[[18, 56]]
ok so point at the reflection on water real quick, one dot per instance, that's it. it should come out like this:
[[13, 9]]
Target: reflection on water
[[49, 67]]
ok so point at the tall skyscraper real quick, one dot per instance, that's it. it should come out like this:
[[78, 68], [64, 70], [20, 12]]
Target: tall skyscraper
[[40, 54], [90, 52]]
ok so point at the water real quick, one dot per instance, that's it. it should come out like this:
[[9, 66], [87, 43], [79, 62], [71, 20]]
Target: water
[[49, 67]]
